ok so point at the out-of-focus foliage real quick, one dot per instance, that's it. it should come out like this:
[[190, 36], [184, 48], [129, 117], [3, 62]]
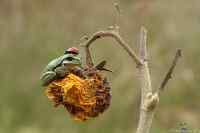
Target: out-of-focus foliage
[[32, 32]]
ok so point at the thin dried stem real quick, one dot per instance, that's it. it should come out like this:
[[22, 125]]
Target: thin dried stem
[[168, 76], [118, 14], [143, 44], [114, 34]]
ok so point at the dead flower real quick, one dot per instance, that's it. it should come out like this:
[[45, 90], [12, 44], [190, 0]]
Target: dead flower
[[82, 97]]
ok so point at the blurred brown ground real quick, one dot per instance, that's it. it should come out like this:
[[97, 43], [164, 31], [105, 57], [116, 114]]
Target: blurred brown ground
[[32, 32]]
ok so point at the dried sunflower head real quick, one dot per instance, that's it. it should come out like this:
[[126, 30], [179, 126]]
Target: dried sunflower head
[[83, 97]]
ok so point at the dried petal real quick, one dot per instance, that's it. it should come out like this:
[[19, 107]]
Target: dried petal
[[83, 98]]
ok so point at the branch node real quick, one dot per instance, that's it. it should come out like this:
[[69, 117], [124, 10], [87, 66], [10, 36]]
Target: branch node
[[84, 38], [150, 102], [111, 27]]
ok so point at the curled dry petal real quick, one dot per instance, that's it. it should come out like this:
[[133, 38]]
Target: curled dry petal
[[82, 97]]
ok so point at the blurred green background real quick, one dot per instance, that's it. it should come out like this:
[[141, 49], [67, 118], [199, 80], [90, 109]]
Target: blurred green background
[[32, 32]]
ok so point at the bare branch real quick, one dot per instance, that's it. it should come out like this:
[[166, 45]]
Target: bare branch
[[143, 44], [114, 34], [118, 14], [168, 76], [148, 100], [117, 8], [145, 80]]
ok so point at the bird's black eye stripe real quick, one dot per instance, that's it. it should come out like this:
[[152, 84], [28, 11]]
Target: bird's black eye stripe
[[69, 58]]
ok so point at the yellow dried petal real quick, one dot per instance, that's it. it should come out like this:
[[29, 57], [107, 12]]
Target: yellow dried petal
[[79, 96]]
